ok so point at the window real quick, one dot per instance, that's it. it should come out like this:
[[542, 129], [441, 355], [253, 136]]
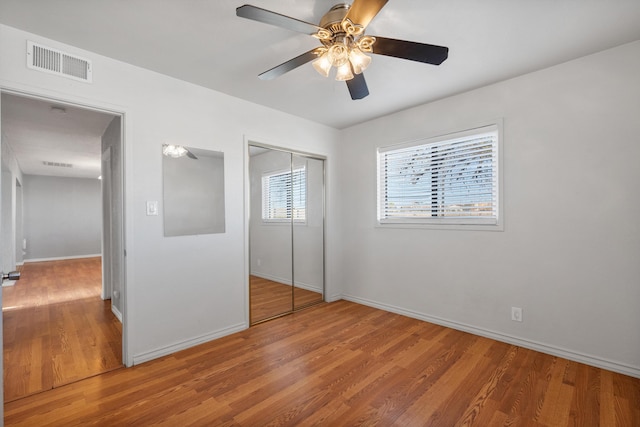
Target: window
[[446, 180], [284, 195]]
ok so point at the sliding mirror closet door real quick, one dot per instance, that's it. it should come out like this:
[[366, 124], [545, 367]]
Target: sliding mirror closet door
[[308, 231], [286, 232], [270, 234]]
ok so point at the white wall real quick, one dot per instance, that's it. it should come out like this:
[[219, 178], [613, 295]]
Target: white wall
[[112, 208], [7, 226], [19, 252], [180, 290], [11, 222], [62, 217], [569, 253]]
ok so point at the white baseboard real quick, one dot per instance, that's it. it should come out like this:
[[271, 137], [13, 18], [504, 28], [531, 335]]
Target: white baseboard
[[587, 359], [334, 298], [62, 258], [7, 283], [300, 285], [116, 312], [183, 345]]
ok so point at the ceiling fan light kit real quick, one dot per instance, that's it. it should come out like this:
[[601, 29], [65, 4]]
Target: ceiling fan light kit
[[176, 151], [344, 45]]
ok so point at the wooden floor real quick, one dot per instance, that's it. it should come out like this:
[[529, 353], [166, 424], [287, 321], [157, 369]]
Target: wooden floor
[[343, 364], [269, 298], [57, 329]]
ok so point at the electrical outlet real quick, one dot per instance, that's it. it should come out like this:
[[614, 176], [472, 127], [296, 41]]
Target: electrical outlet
[[516, 314]]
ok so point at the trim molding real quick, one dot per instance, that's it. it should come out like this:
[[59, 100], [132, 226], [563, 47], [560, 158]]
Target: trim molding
[[183, 345], [336, 297], [62, 258], [116, 312], [587, 359]]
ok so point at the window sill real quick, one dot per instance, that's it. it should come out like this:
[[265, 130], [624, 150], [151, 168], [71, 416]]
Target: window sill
[[449, 225]]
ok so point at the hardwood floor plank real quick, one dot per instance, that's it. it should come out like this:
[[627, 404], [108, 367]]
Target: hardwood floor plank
[[57, 329], [558, 396], [524, 403], [269, 298], [342, 364], [487, 385]]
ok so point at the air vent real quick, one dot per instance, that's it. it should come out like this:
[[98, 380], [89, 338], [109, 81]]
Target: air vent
[[58, 164], [54, 61]]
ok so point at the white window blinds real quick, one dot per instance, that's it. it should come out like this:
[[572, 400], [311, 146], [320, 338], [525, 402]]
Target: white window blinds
[[284, 195], [451, 180]]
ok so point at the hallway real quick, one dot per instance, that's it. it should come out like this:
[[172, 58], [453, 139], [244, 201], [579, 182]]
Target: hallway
[[57, 329]]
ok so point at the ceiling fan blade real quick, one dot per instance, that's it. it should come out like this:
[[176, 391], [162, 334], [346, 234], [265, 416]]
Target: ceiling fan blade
[[412, 51], [362, 12], [289, 65], [273, 18], [358, 87]]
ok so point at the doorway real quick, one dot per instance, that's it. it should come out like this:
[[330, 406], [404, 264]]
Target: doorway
[[63, 275], [286, 232]]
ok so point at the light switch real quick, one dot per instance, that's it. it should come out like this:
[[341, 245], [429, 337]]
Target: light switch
[[152, 207]]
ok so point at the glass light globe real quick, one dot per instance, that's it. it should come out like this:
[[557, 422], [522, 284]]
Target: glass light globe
[[338, 54], [322, 65], [359, 60], [344, 72]]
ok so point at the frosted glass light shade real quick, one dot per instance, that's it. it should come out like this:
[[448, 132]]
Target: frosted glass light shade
[[359, 60], [322, 65], [338, 54], [344, 72]]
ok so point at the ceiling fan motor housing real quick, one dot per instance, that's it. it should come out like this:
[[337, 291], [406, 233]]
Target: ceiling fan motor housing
[[340, 32], [332, 20]]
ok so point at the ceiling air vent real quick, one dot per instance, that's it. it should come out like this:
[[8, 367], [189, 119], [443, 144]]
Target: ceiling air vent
[[57, 164], [54, 61]]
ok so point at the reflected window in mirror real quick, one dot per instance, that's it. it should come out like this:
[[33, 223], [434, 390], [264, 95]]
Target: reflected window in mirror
[[193, 191], [284, 195]]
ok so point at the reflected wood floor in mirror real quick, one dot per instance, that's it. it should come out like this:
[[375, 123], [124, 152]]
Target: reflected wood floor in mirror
[[343, 364], [269, 298], [57, 329]]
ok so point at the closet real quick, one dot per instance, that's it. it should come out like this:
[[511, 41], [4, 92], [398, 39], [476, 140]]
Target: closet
[[286, 232]]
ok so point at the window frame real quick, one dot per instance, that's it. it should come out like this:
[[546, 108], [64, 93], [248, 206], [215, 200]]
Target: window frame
[[446, 223]]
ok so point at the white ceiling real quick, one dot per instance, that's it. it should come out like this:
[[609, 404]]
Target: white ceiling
[[39, 131], [204, 42]]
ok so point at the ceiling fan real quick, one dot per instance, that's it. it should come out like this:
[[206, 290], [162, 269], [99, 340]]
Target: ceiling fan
[[344, 44]]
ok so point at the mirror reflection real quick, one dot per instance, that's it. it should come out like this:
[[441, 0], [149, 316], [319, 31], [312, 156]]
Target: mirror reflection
[[193, 191], [286, 232], [308, 235]]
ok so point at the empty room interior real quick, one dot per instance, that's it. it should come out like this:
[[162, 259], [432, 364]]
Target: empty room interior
[[308, 213]]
